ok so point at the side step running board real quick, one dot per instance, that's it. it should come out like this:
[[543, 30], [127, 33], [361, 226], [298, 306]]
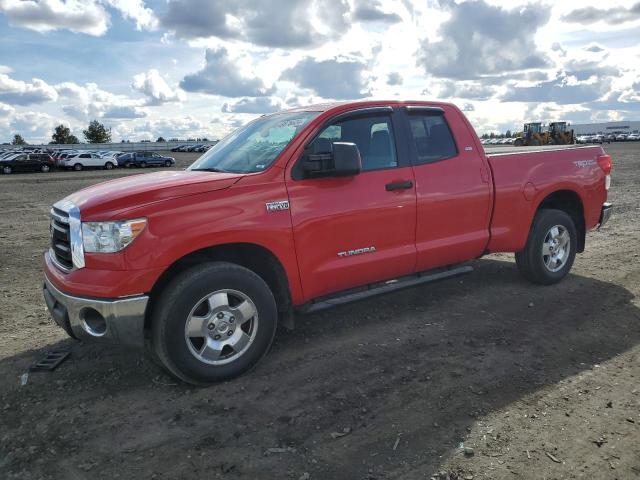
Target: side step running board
[[385, 287]]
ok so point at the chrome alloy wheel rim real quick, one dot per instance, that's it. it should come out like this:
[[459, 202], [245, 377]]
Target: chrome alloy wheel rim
[[221, 327], [556, 248]]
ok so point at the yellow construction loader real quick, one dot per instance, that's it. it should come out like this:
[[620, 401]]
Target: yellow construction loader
[[559, 134], [534, 134]]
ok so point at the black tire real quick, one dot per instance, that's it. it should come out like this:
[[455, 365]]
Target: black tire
[[6, 169], [167, 163], [108, 166], [530, 261], [183, 294], [127, 164], [143, 165], [77, 167], [45, 168]]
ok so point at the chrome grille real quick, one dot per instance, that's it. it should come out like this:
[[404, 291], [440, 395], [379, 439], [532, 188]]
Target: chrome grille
[[61, 238]]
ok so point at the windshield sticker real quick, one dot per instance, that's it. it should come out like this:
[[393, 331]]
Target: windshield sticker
[[293, 122]]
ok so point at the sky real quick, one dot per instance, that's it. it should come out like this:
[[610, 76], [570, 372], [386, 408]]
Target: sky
[[201, 68]]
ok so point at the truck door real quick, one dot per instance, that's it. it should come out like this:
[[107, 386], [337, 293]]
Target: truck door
[[351, 231], [452, 186]]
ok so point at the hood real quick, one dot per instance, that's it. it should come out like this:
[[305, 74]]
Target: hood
[[108, 198]]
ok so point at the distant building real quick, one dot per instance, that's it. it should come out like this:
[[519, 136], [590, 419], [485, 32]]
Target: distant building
[[606, 127]]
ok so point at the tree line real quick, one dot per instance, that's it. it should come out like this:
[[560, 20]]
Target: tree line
[[96, 132], [506, 134]]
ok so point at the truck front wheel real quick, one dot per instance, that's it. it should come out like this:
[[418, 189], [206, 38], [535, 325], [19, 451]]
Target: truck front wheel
[[213, 322], [550, 249]]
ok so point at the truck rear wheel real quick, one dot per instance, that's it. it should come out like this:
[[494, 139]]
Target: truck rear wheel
[[551, 248], [213, 322]]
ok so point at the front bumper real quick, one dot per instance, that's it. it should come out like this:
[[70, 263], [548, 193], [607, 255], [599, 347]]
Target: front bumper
[[605, 214], [118, 320]]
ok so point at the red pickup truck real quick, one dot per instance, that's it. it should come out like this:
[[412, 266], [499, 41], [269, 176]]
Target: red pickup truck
[[305, 209]]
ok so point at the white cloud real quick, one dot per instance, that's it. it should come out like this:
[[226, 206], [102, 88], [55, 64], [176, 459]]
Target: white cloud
[[221, 76], [155, 88], [333, 78], [90, 101], [481, 39], [17, 92], [6, 110], [253, 105], [144, 17], [32, 125], [81, 16], [124, 111], [262, 56], [277, 23]]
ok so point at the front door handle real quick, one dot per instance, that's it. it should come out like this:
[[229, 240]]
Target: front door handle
[[398, 185]]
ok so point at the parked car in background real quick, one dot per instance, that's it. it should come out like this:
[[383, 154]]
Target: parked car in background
[[633, 137], [10, 153], [112, 157], [61, 156], [26, 162], [145, 159], [177, 148], [79, 161]]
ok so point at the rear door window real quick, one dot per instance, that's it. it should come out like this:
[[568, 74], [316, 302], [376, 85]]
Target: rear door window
[[432, 138]]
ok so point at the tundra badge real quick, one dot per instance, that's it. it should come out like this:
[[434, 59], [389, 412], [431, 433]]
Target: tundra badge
[[277, 206], [357, 251]]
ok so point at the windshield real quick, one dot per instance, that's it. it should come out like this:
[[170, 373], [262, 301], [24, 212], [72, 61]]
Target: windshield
[[253, 147]]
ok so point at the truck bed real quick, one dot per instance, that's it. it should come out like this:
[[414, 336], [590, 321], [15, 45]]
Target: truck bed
[[524, 176]]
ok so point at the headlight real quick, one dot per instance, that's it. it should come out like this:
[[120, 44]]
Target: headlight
[[110, 237]]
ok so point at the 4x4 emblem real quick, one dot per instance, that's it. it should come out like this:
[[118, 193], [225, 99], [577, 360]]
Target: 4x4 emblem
[[277, 206]]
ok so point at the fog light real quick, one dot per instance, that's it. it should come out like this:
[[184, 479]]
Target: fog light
[[93, 322]]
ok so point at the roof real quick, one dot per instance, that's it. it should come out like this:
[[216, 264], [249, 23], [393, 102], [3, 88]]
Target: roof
[[324, 107]]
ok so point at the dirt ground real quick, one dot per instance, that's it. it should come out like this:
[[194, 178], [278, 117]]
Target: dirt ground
[[480, 377]]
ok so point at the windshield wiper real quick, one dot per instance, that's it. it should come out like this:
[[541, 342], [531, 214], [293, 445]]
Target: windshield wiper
[[210, 169]]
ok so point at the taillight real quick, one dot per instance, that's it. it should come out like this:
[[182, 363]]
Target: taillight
[[604, 161]]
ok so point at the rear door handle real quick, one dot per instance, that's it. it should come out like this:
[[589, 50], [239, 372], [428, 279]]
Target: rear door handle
[[398, 185]]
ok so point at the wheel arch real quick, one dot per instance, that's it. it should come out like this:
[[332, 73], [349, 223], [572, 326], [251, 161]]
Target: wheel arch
[[254, 257], [570, 202]]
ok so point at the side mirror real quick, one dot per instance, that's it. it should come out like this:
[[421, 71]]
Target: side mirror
[[346, 159], [326, 159]]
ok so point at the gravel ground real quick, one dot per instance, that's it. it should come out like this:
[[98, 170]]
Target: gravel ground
[[479, 377]]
